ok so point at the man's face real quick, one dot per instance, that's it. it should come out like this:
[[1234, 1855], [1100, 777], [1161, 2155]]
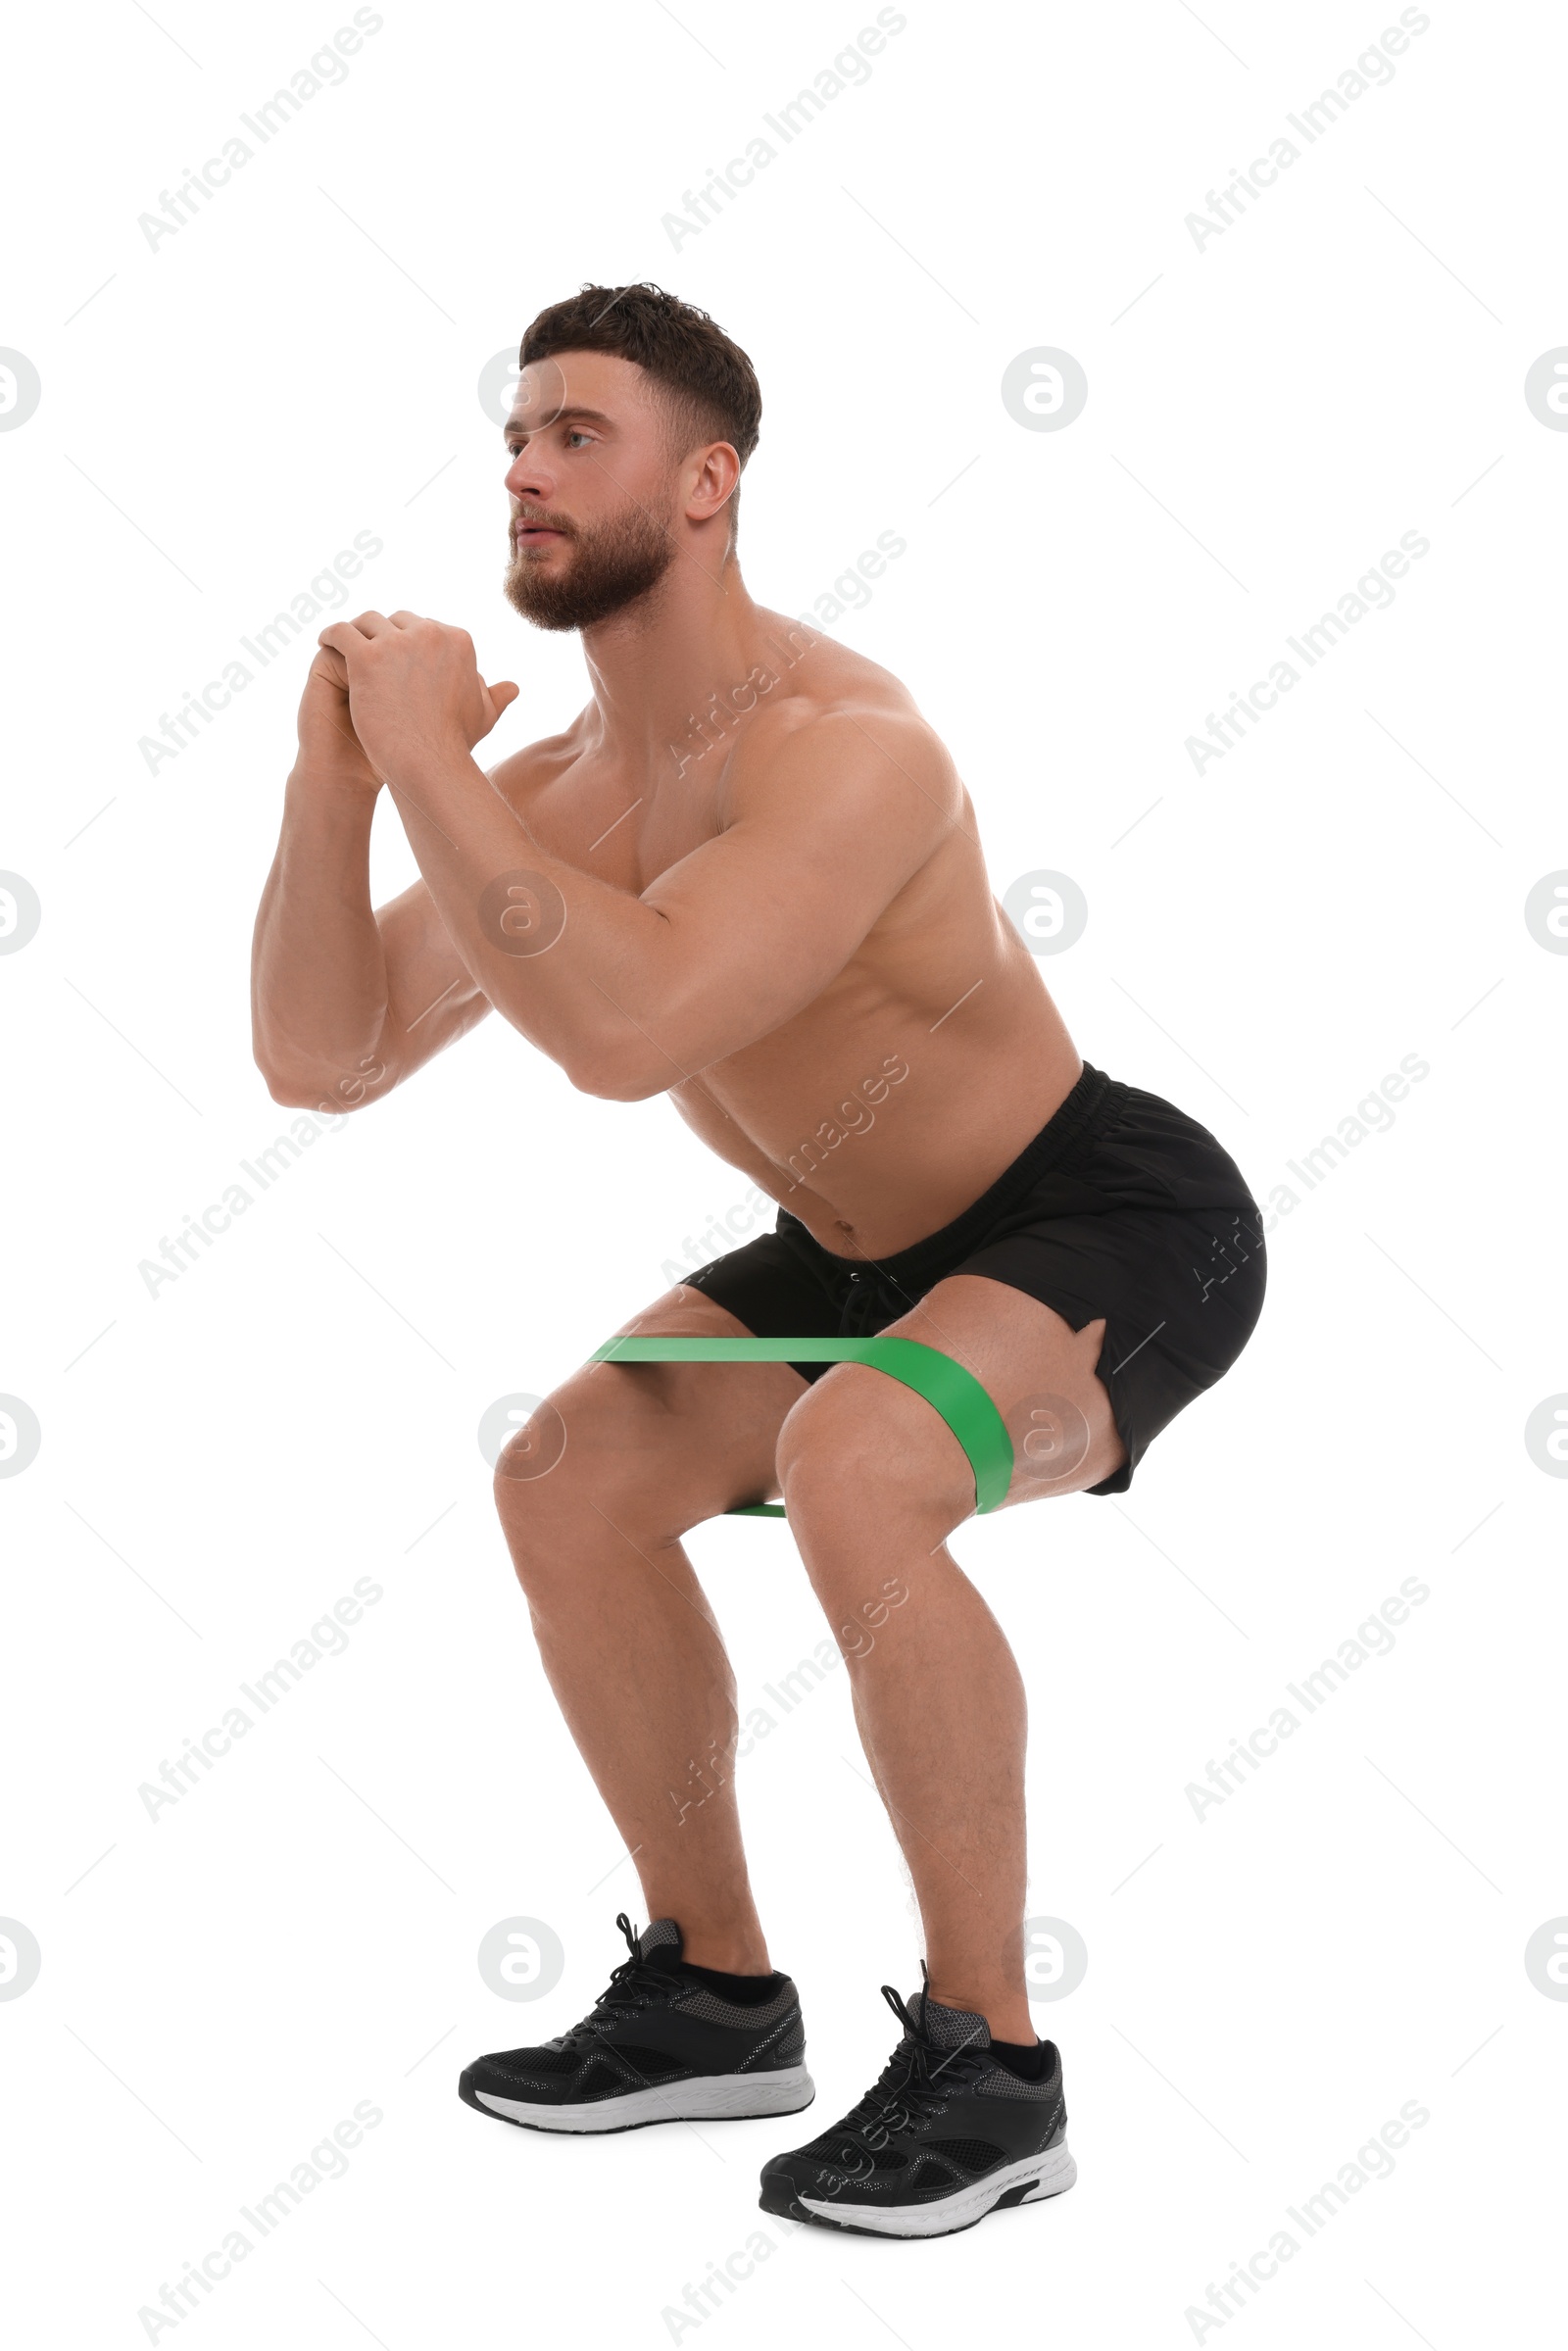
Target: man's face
[[593, 482]]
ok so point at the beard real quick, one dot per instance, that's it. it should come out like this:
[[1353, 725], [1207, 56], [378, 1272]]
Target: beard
[[611, 567]]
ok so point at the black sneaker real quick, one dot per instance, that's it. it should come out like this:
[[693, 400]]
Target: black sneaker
[[660, 2045], [948, 2134]]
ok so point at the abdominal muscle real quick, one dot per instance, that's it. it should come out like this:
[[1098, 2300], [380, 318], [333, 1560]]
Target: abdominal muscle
[[875, 1122]]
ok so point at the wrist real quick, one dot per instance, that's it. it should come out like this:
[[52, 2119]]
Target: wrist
[[419, 761], [329, 809], [314, 778]]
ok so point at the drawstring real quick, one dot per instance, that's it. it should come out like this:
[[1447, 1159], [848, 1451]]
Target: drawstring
[[871, 1300]]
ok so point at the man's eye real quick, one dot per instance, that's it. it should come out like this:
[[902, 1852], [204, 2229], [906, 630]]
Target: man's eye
[[577, 434]]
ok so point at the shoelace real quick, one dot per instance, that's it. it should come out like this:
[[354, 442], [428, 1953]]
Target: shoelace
[[638, 1983], [917, 2078]]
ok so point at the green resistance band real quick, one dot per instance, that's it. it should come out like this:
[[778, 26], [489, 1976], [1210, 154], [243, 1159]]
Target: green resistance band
[[946, 1385]]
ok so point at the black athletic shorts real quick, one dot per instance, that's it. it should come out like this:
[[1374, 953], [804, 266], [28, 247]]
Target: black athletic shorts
[[1121, 1207]]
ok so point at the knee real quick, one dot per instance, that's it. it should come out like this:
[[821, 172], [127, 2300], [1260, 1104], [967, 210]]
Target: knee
[[584, 1487], [862, 1461], [536, 1472], [533, 1454]]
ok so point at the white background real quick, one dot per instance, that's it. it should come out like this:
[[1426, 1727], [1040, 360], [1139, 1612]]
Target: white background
[[221, 1461]]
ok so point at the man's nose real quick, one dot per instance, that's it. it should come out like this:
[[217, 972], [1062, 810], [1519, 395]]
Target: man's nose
[[528, 476]]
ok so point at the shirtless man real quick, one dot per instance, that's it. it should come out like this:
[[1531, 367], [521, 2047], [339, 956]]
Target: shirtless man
[[748, 876]]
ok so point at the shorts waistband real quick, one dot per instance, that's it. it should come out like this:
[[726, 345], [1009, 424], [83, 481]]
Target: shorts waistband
[[912, 1270]]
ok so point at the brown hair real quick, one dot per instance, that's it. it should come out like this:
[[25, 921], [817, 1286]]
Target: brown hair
[[711, 385]]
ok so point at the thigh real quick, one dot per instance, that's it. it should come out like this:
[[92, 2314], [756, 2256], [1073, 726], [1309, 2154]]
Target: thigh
[[1038, 1373], [672, 1442]]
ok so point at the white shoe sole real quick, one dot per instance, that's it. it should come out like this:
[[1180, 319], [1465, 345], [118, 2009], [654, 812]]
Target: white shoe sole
[[1047, 2175], [708, 2097]]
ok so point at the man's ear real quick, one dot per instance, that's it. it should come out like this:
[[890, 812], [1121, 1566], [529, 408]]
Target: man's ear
[[717, 470]]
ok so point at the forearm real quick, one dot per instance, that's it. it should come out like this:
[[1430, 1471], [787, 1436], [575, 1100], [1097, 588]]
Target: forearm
[[318, 969], [584, 971]]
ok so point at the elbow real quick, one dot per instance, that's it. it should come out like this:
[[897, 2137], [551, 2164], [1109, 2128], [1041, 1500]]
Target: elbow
[[298, 1081], [284, 1085], [622, 1075], [290, 1093], [292, 1090]]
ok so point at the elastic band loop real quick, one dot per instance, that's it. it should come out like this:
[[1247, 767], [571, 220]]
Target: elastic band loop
[[955, 1394]]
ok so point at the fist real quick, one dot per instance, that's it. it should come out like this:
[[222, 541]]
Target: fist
[[330, 752], [415, 692]]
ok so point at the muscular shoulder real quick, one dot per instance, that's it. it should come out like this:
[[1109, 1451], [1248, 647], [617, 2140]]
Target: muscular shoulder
[[836, 725]]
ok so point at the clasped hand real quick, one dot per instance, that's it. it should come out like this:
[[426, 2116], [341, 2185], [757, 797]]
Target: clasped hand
[[415, 690]]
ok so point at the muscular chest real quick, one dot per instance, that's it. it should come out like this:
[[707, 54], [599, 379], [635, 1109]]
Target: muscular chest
[[625, 828]]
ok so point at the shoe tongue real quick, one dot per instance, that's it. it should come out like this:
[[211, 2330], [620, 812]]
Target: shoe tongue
[[662, 1937], [950, 2028]]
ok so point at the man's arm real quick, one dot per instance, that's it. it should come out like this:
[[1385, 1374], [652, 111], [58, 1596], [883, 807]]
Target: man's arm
[[628, 994], [346, 1001]]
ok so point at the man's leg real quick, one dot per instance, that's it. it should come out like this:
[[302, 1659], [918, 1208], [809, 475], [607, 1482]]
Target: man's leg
[[594, 1495], [874, 1482]]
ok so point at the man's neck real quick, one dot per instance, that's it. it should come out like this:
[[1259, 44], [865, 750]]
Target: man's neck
[[656, 668]]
